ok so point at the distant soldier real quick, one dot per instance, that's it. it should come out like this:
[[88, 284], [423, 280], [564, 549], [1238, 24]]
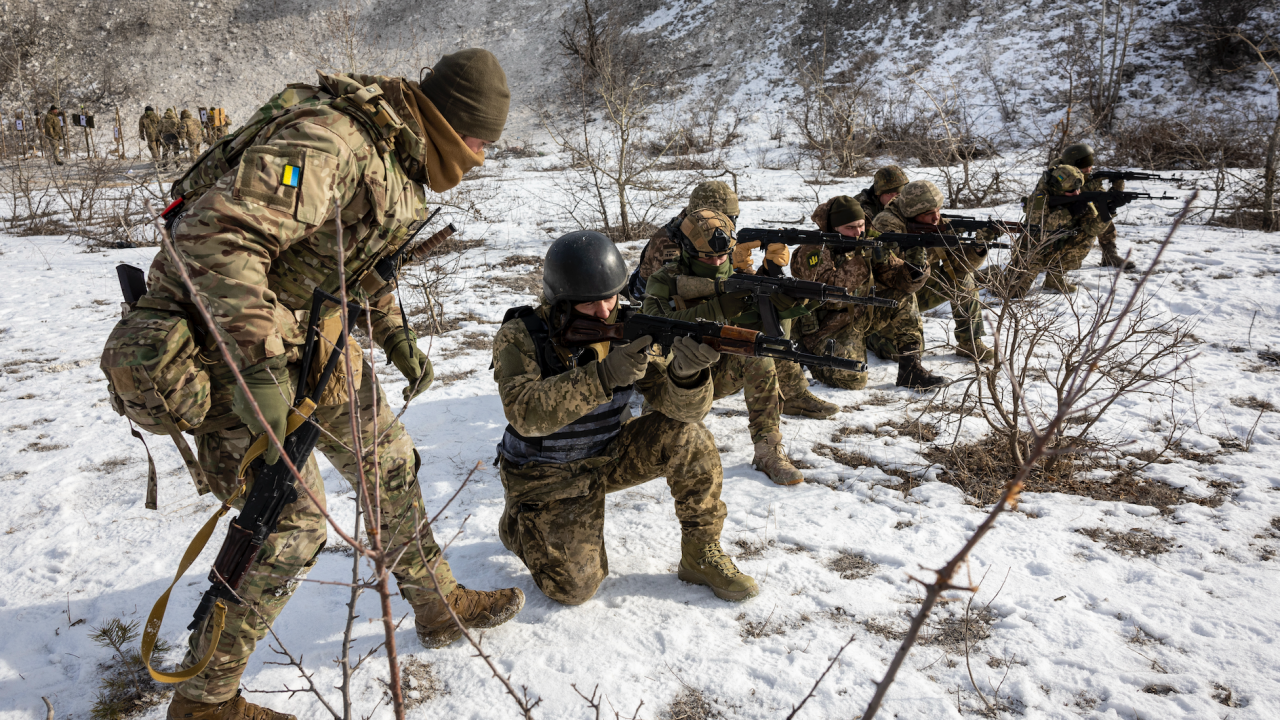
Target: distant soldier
[[664, 246], [1066, 234], [51, 128], [219, 124], [169, 129], [149, 132], [191, 133], [885, 186], [1082, 157]]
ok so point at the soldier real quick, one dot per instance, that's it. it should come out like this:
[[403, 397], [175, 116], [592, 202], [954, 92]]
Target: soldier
[[149, 132], [664, 246], [951, 276], [1082, 157], [885, 186], [192, 134], [569, 441], [169, 129], [257, 243], [862, 273], [1079, 224], [51, 128], [706, 241]]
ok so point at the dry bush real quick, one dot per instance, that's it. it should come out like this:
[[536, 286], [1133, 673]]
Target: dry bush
[[835, 115]]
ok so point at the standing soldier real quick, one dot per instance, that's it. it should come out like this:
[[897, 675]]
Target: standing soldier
[[885, 186], [862, 272], [951, 275], [169, 129], [258, 242], [706, 241], [569, 442], [1081, 156], [149, 132], [192, 134], [1066, 234], [664, 246], [54, 134]]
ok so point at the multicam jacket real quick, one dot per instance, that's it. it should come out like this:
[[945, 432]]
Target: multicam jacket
[[560, 417], [260, 241]]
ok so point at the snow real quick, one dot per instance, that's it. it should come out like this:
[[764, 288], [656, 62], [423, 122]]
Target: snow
[[1078, 630]]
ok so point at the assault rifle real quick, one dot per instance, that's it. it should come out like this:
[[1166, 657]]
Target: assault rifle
[[796, 236], [968, 224], [1130, 175], [274, 485], [908, 241], [631, 325], [388, 267], [1105, 202], [764, 287]]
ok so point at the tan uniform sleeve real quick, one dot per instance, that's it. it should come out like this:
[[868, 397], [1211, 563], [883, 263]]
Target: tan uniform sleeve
[[537, 406], [682, 404]]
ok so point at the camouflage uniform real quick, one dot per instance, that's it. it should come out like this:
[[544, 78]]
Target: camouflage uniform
[[863, 273], [170, 130], [950, 280], [553, 519], [1035, 254], [664, 246], [149, 132], [257, 246], [54, 136], [192, 134]]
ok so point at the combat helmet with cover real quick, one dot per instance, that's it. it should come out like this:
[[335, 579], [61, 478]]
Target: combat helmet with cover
[[888, 179], [919, 197], [707, 233], [714, 194]]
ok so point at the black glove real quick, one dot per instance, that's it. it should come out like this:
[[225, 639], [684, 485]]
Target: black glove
[[623, 367], [271, 391]]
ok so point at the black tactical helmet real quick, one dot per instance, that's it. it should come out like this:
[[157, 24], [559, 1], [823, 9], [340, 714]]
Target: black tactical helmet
[[1078, 154], [149, 109], [582, 266]]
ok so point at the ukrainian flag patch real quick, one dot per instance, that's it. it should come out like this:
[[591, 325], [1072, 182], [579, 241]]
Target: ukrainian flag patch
[[292, 176]]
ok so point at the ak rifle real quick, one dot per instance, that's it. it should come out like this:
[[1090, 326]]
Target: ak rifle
[[631, 325], [1114, 175], [1106, 202]]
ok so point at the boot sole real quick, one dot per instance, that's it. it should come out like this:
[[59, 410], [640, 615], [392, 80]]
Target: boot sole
[[690, 576]]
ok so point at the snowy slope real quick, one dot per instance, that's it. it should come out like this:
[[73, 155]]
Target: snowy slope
[[1076, 629]]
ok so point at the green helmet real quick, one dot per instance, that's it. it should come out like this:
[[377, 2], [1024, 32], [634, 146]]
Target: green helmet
[[1064, 179], [888, 179], [716, 195], [919, 197], [1079, 155]]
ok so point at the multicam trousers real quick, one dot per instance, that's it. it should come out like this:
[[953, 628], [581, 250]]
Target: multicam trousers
[[902, 325], [554, 514], [291, 551], [966, 310], [757, 378]]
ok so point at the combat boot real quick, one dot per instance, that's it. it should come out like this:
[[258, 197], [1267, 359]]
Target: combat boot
[[911, 374], [771, 460], [1056, 282], [475, 608], [884, 348], [975, 350], [1111, 258], [709, 565], [237, 708], [807, 404]]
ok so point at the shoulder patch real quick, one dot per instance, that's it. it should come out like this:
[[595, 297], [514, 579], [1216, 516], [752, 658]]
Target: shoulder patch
[[814, 258]]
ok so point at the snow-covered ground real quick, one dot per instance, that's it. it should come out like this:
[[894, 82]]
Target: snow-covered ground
[[1068, 628]]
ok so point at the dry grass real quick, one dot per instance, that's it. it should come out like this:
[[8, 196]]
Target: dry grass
[[1253, 403], [1134, 543], [950, 633], [852, 566], [883, 629], [752, 548], [419, 683], [690, 704], [854, 459]]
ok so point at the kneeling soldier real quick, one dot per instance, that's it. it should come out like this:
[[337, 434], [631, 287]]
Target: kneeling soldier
[[570, 441]]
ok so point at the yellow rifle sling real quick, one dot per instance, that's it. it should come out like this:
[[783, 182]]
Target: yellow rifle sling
[[259, 446]]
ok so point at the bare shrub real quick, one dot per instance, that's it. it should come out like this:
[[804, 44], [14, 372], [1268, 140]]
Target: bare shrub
[[835, 113]]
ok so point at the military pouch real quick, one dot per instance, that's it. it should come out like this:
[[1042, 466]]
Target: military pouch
[[156, 379], [337, 392]]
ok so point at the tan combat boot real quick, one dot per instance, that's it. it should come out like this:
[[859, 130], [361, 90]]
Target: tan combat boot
[[807, 404], [771, 460], [709, 565], [1111, 257], [975, 350], [911, 374], [475, 608], [1057, 282], [237, 708]]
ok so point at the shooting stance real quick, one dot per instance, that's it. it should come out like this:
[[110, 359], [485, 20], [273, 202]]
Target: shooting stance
[[571, 440]]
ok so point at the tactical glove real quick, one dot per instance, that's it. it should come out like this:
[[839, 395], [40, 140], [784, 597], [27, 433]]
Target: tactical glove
[[412, 363], [689, 357], [881, 253], [624, 367], [918, 256], [271, 391], [732, 305]]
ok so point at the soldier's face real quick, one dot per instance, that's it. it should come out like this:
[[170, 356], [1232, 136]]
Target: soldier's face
[[475, 145], [1087, 170], [888, 197], [933, 217], [716, 260], [853, 229], [599, 309]]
